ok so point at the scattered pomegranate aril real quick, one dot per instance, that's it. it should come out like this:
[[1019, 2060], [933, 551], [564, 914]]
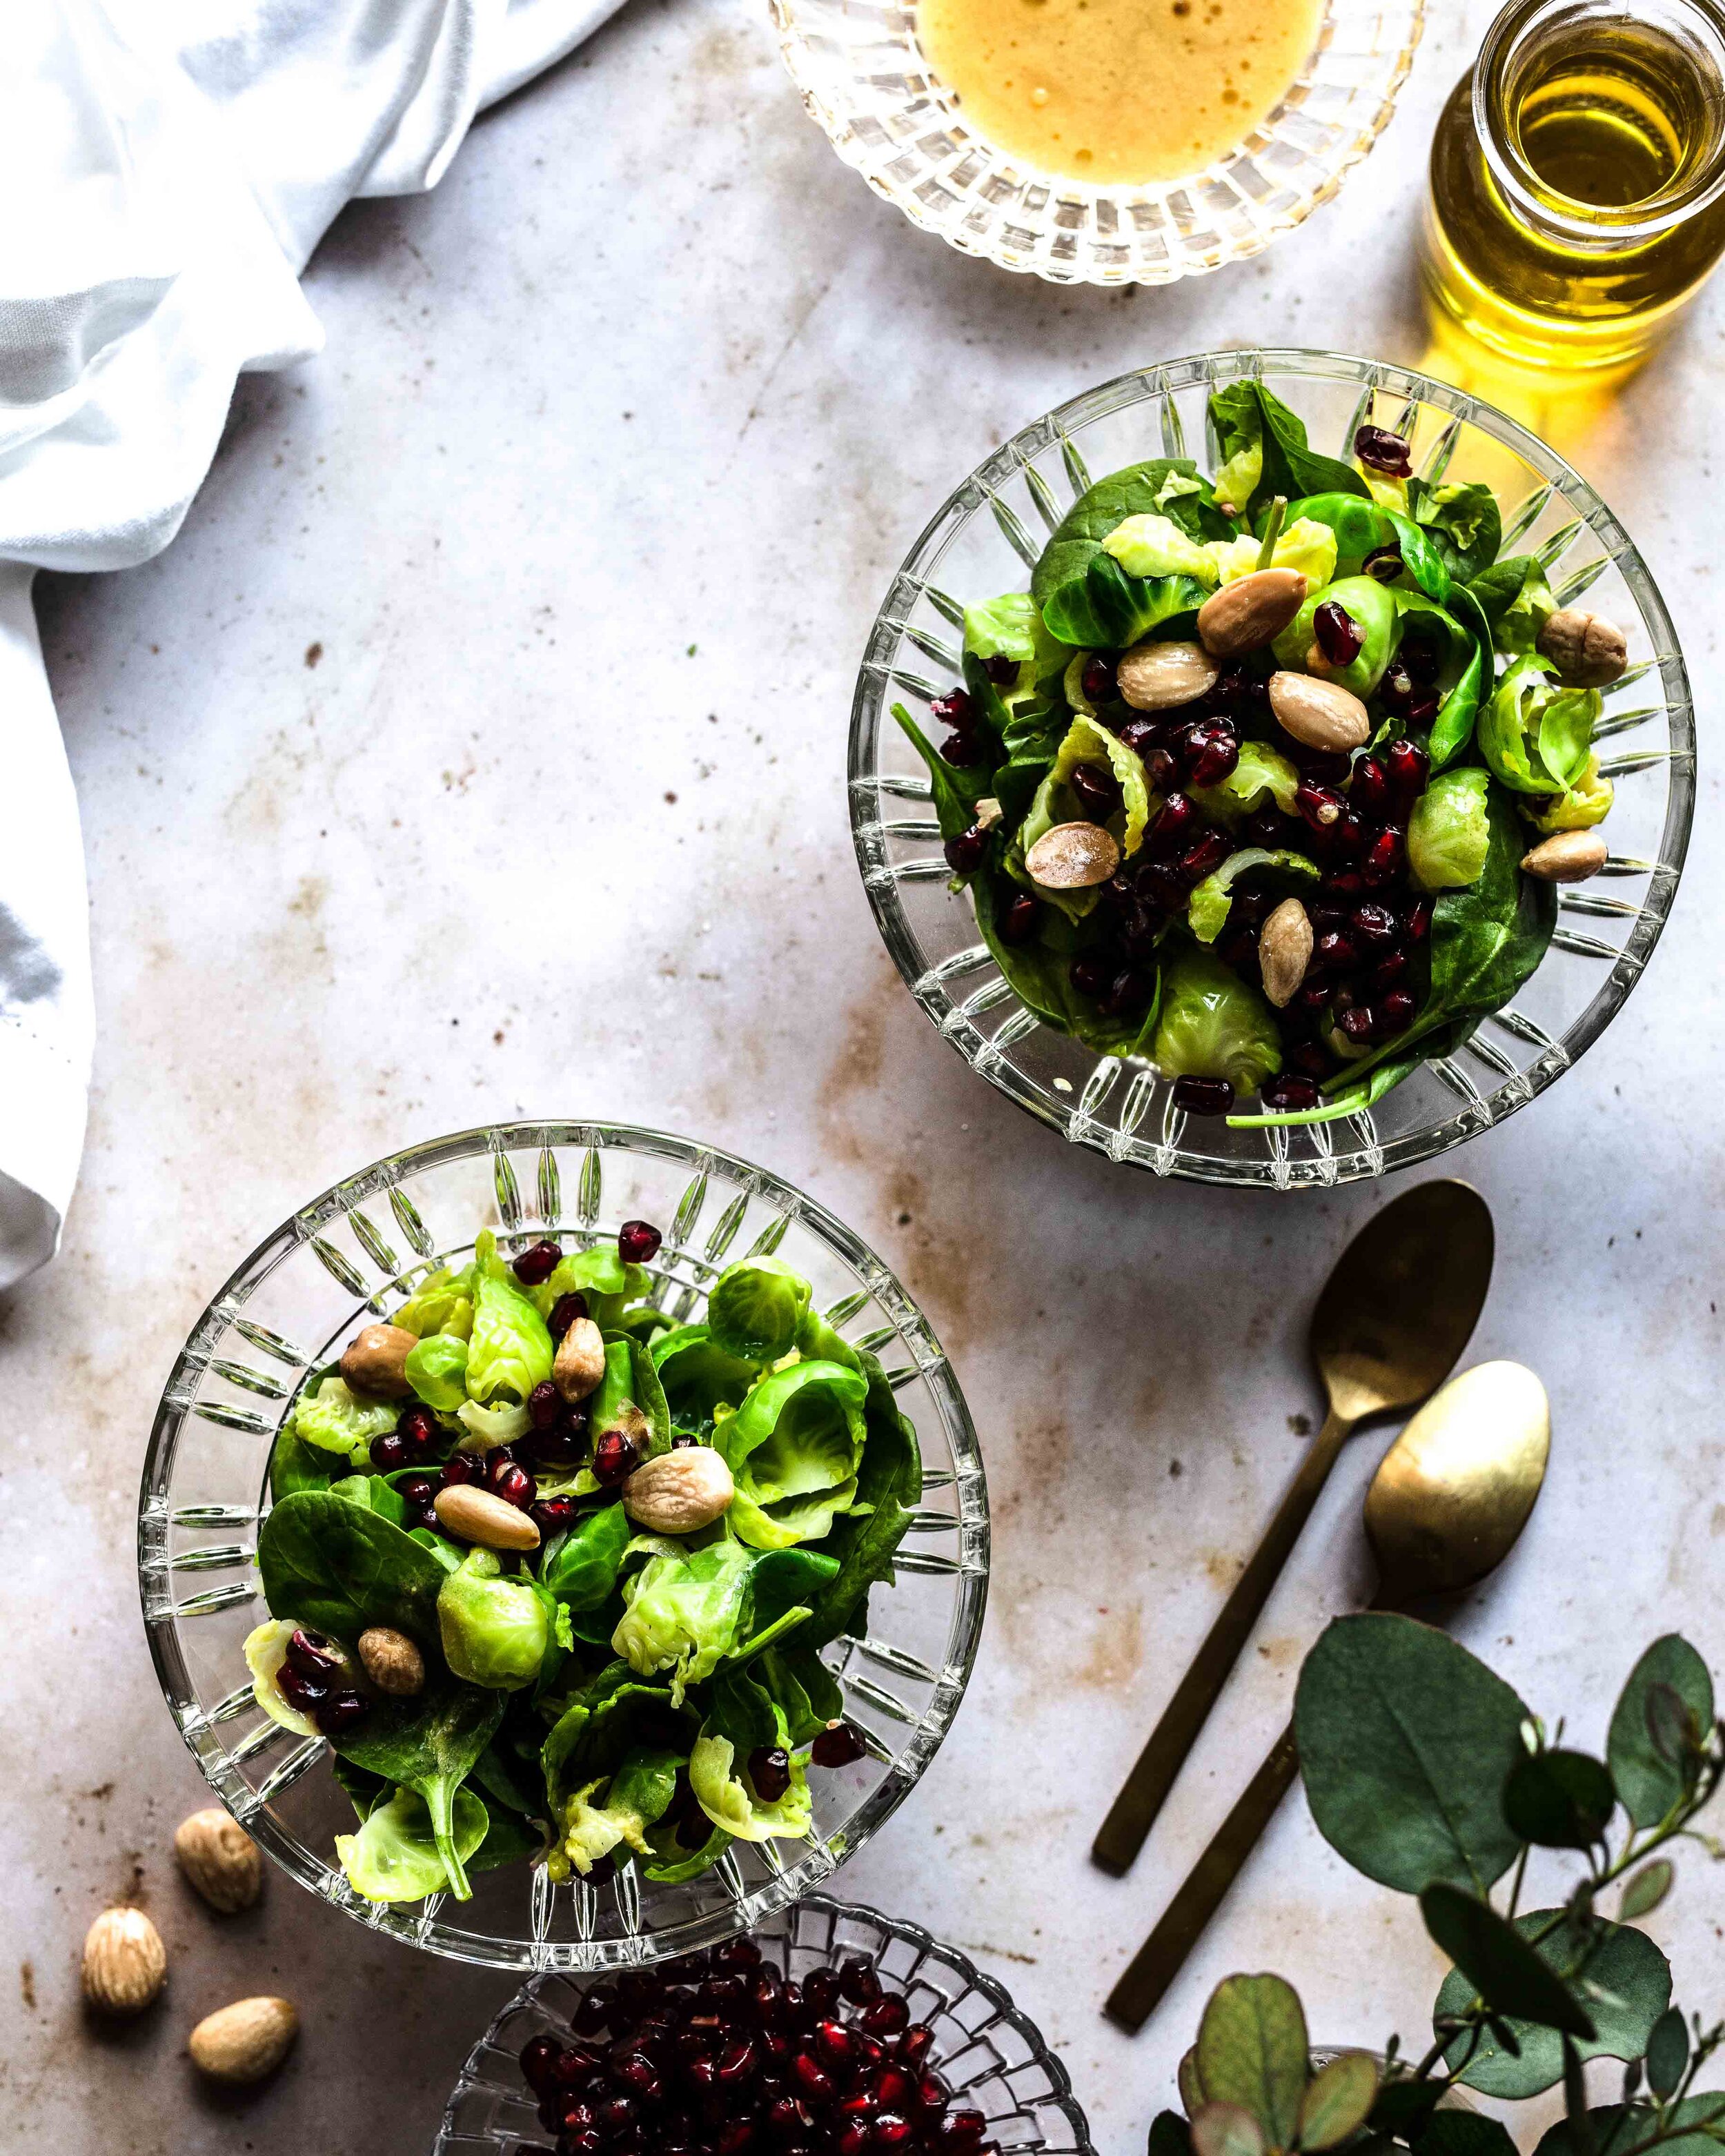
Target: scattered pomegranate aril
[[419, 1428], [539, 2059], [459, 1468], [1210, 751], [1289, 1093], [1019, 919], [916, 2043], [1397, 1010], [1381, 451], [1172, 830], [1406, 766], [638, 1242], [811, 2077], [1335, 952], [534, 1267], [1343, 882], [1374, 926], [965, 853], [1001, 671], [770, 1771], [1419, 921], [564, 1311], [893, 2088], [1090, 975], [1422, 659], [932, 2093], [841, 1747], [1321, 806], [892, 2130], [1309, 1059], [1203, 1097], [1205, 856], [1383, 858], [1162, 767], [1338, 635], [1097, 678], [513, 1485], [544, 1404], [1348, 834], [1359, 1024], [1368, 789], [886, 2016], [1389, 970], [341, 1712], [963, 752], [389, 1453], [614, 1459], [1098, 792], [954, 709]]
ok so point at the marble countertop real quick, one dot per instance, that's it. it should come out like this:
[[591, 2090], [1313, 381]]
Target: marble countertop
[[475, 752]]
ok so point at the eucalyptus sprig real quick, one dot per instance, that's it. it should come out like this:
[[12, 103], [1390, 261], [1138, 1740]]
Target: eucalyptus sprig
[[1427, 1772]]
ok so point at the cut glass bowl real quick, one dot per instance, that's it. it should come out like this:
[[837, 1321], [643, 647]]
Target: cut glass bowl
[[985, 541], [866, 84], [991, 2056], [343, 1260]]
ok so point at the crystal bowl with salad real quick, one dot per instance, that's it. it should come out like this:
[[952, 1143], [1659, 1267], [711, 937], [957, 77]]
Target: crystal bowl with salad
[[1304, 776], [561, 1545]]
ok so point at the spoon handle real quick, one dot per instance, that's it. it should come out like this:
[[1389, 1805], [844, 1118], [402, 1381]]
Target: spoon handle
[[1163, 1954], [1145, 1790]]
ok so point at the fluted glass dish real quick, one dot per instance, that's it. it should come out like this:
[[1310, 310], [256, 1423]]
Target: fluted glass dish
[[349, 1257], [985, 541], [984, 2048], [866, 85]]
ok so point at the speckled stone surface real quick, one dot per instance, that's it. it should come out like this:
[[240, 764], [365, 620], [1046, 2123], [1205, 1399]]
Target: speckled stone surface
[[476, 751]]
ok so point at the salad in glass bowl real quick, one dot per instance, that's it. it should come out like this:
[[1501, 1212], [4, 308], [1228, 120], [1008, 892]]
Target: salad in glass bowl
[[550, 1571], [1273, 774]]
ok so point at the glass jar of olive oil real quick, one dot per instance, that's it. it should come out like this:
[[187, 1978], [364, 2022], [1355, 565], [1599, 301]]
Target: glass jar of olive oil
[[1578, 183]]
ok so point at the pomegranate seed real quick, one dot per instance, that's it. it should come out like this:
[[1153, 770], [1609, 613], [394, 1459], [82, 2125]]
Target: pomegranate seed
[[870, 2054], [1359, 1024], [1335, 952], [593, 2016], [966, 854], [954, 709], [1143, 737], [1381, 451], [770, 1771], [1090, 976], [1398, 1009], [840, 1746], [417, 1489], [1203, 1097], [700, 2069], [735, 2136], [1368, 789], [460, 1467], [892, 2130], [1290, 1092], [389, 1453], [884, 2016], [544, 1404], [419, 1427], [1407, 766], [312, 1655], [820, 1989], [916, 2042], [1021, 919], [893, 2089], [1173, 828], [637, 2072], [1389, 970], [564, 1311], [1339, 635], [514, 1486], [738, 2063], [812, 2077], [963, 752], [1239, 694], [1374, 926], [1343, 883], [302, 1693], [1323, 767], [1206, 856], [341, 1712], [1419, 920], [960, 2126], [1422, 659], [1384, 563], [932, 2093], [1162, 767], [1098, 792], [1321, 806], [551, 1515], [1310, 1059], [852, 2138], [1097, 678], [740, 1953], [539, 2061], [833, 2041], [614, 1459], [588, 2142], [1001, 671], [536, 1265], [638, 1242], [1210, 752], [1349, 833]]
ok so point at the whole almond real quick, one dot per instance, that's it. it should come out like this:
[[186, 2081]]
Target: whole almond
[[1569, 857], [244, 2042], [678, 1491], [1285, 951], [580, 1364], [1156, 677], [392, 1660], [220, 1859], [375, 1361], [1588, 650], [1251, 612], [124, 1963], [1073, 856], [472, 1515], [1320, 715]]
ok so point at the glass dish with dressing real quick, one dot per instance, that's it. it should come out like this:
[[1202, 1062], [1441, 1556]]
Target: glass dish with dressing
[[1025, 130]]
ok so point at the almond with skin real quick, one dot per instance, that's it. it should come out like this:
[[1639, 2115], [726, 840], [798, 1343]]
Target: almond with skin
[[680, 1491], [580, 1365], [1588, 651], [1568, 857], [473, 1515], [1320, 715], [392, 1660], [124, 1963], [1158, 677], [1285, 951], [1073, 856], [1251, 612], [220, 1860], [245, 2042], [375, 1361]]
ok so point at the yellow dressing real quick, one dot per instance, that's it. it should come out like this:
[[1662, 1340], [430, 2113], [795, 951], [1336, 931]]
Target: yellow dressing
[[1117, 90]]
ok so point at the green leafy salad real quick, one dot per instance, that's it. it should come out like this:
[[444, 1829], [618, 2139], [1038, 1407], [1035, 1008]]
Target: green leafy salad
[[552, 1573], [1269, 778]]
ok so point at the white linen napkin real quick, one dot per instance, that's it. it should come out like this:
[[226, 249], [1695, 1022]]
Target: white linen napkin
[[167, 169]]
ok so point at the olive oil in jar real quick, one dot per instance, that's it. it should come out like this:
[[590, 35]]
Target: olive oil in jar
[[1578, 183]]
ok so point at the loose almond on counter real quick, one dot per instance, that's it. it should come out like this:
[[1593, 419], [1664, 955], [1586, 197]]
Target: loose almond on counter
[[244, 2043], [124, 1963], [220, 1860]]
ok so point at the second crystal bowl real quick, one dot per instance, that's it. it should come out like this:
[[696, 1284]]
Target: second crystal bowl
[[343, 1259]]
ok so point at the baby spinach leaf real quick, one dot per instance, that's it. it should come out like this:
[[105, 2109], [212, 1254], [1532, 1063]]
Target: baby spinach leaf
[[513, 1784], [1245, 412], [1632, 1987], [338, 1568], [807, 1692], [293, 1465], [955, 790], [1650, 1773], [1405, 1740], [1464, 523], [1138, 490], [1103, 608], [429, 1745], [889, 1486], [675, 1864], [510, 1839]]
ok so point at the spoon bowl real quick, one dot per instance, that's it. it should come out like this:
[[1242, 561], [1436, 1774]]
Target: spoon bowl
[[1453, 1493], [1403, 1300]]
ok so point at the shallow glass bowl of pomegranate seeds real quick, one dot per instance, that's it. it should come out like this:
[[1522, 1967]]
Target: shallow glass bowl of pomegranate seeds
[[866, 83], [561, 1544], [830, 2028], [1283, 840]]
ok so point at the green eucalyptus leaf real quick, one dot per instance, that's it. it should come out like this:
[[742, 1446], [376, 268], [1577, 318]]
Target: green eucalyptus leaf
[[1617, 2128], [1191, 2082], [1404, 2108], [1643, 1891], [1626, 1965], [1253, 2051], [1338, 2100], [1499, 1963], [1650, 1781], [1405, 1740], [1667, 2053], [1559, 1799], [1169, 2135], [1227, 2129], [1464, 2133]]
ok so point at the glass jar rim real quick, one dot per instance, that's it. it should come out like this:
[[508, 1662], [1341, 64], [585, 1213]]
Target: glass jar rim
[[1533, 199]]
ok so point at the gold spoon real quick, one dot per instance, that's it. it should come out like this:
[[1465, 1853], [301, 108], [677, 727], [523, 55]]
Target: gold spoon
[[1390, 1326], [1445, 1509]]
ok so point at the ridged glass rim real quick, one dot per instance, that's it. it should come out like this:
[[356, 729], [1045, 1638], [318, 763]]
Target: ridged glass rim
[[977, 494], [922, 1737], [1022, 218], [493, 2065]]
